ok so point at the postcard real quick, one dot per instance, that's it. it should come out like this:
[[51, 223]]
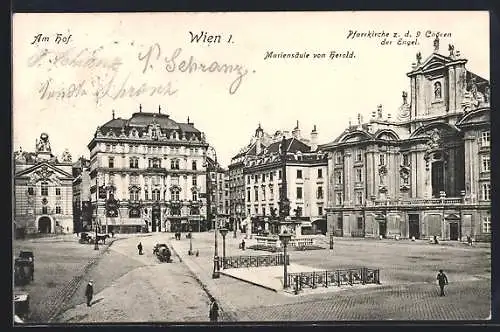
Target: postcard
[[251, 167]]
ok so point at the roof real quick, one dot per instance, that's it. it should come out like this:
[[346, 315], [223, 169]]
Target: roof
[[292, 145], [144, 119]]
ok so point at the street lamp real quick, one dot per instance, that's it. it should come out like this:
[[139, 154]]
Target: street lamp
[[96, 245], [190, 241], [215, 273], [223, 232], [285, 238]]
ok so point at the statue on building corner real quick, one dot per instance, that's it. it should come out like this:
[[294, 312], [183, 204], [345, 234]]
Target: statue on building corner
[[419, 58], [43, 145], [451, 49], [436, 44]]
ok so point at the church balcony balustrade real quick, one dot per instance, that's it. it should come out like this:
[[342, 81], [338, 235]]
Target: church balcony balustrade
[[161, 170], [419, 202]]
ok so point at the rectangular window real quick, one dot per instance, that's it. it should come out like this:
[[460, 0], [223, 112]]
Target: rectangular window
[[195, 181], [279, 175], [359, 197], [485, 138], [271, 192], [58, 191], [338, 199], [263, 211], [486, 191], [271, 176], [248, 195], [263, 177], [319, 193], [58, 210], [299, 192], [263, 193], [44, 210], [248, 179], [359, 175], [485, 164], [298, 211], [360, 222], [486, 224], [359, 155], [320, 210], [382, 159], [194, 165], [256, 191], [146, 195], [299, 174], [256, 210], [45, 189], [338, 158], [320, 173], [111, 162], [406, 161], [195, 196], [338, 177], [31, 191]]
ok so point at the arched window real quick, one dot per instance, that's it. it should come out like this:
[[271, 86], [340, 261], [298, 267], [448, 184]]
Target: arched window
[[174, 164], [437, 90], [175, 195], [193, 164], [45, 189], [156, 195], [134, 195]]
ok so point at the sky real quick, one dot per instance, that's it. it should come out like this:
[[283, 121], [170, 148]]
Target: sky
[[153, 50]]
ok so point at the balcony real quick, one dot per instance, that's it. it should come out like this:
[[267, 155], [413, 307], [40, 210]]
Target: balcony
[[418, 202]]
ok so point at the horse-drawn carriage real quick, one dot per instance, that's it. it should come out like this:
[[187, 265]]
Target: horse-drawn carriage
[[24, 268], [162, 252], [91, 238]]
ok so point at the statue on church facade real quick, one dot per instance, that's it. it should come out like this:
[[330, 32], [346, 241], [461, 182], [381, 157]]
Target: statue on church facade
[[43, 145]]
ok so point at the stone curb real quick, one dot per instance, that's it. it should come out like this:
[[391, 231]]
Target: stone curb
[[228, 315]]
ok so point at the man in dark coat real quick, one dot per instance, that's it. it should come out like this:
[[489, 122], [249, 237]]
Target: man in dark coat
[[213, 311], [89, 292], [442, 280], [139, 247]]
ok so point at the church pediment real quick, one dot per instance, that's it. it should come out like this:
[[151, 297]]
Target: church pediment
[[44, 172], [478, 116]]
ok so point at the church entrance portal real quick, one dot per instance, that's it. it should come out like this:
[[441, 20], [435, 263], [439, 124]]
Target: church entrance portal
[[44, 225]]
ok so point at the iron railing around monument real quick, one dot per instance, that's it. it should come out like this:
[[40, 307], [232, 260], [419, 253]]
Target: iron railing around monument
[[298, 281], [253, 261]]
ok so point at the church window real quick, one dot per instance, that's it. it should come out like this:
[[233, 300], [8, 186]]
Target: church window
[[45, 189], [437, 90]]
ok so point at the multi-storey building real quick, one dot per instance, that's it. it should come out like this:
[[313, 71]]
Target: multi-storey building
[[148, 171], [43, 190], [227, 202], [216, 190], [423, 173], [258, 142], [82, 209], [305, 170]]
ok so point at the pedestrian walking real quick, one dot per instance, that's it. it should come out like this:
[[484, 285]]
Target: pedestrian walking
[[436, 240], [213, 311], [243, 244], [469, 240], [442, 281], [139, 247], [89, 292]]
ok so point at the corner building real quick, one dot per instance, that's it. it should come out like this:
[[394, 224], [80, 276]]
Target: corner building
[[424, 172], [148, 172]]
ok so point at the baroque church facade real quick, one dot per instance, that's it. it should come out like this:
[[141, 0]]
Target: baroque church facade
[[148, 172], [42, 190], [423, 173]]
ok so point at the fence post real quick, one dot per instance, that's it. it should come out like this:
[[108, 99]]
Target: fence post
[[326, 279], [338, 278], [363, 275], [350, 277], [296, 285], [377, 276], [314, 280]]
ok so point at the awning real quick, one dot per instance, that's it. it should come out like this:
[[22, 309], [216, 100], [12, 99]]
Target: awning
[[306, 224]]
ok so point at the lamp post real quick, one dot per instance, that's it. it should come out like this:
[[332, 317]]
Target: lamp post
[[284, 238], [96, 245], [215, 273], [223, 231], [190, 240]]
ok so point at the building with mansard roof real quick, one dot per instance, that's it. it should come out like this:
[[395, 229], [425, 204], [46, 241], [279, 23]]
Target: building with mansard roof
[[42, 190], [305, 168], [424, 172], [148, 172]]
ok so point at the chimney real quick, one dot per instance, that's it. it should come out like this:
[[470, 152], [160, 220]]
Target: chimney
[[296, 131], [314, 139]]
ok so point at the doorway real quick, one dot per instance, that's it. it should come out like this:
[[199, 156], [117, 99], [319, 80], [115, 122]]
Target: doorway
[[44, 225], [437, 178], [454, 231], [414, 226], [155, 219], [382, 228]]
